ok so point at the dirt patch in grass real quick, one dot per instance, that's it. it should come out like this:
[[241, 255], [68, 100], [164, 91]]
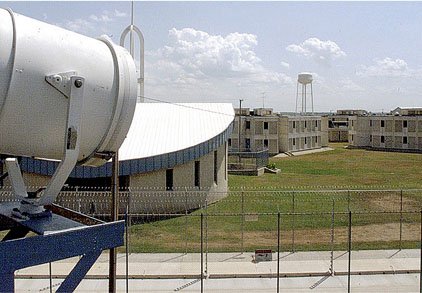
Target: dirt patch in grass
[[367, 233], [391, 202]]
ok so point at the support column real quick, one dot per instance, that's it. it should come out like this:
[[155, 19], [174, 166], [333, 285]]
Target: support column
[[114, 217]]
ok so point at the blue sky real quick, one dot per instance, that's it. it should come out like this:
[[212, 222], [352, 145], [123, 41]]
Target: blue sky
[[362, 54]]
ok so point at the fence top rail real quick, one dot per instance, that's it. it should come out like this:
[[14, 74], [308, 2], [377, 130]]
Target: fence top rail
[[269, 214]]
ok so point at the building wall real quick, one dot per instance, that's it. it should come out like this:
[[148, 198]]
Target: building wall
[[389, 132], [283, 133], [302, 133], [184, 175], [338, 135]]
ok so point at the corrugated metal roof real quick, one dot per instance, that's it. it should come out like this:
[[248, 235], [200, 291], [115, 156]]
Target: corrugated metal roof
[[159, 128], [161, 136]]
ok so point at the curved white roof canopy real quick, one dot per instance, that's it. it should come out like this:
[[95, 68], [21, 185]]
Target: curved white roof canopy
[[160, 128], [161, 136]]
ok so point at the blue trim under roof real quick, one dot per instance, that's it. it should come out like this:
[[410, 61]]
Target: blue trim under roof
[[135, 166]]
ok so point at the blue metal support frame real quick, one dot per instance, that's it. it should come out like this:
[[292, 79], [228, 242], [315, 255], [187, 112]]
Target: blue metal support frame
[[59, 238]]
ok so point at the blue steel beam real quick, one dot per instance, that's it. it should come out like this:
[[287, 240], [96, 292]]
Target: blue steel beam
[[78, 273], [88, 240]]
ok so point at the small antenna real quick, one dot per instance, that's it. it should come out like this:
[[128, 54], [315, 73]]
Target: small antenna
[[263, 99]]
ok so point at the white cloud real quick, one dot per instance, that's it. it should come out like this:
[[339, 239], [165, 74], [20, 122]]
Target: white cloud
[[94, 24], [349, 85], [78, 25], [285, 65], [200, 61], [386, 67], [197, 66], [118, 13], [320, 51]]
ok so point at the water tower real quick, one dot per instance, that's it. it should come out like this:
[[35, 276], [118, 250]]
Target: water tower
[[304, 79]]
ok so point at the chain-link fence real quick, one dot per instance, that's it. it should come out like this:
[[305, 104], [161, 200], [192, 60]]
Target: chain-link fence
[[199, 226]]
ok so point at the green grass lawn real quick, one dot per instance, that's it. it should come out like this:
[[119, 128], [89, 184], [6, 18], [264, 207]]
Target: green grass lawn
[[340, 169]]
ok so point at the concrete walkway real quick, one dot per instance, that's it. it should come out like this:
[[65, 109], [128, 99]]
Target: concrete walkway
[[300, 153], [236, 265]]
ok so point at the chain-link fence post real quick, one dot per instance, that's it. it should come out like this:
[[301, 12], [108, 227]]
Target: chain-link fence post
[[51, 278], [206, 237], [420, 249], [293, 221], [243, 221], [348, 200], [401, 219], [202, 252], [186, 221], [332, 241], [278, 252], [349, 249], [127, 246]]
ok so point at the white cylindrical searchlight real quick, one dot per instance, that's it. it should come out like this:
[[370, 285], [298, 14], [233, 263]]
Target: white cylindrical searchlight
[[37, 63]]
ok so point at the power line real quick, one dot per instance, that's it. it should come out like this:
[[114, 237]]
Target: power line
[[186, 106]]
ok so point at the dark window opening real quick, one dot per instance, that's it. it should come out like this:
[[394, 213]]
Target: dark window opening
[[294, 141], [197, 174], [305, 124], [1, 172], [382, 139], [294, 124], [370, 123], [382, 123], [248, 125], [230, 142], [265, 125], [370, 138], [316, 123], [169, 179], [404, 123], [404, 139], [316, 139], [306, 141], [247, 143], [265, 143], [215, 168]]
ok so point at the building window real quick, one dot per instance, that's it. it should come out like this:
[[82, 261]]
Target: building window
[[404, 123], [316, 123], [382, 123], [197, 174], [229, 142], [316, 139], [370, 123], [265, 125], [294, 141], [215, 168], [404, 139], [305, 124], [382, 139], [306, 141], [352, 123], [370, 138], [265, 143], [169, 179], [248, 125], [352, 137], [294, 124], [247, 143]]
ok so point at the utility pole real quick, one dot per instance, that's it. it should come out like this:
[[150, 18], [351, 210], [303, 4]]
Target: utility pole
[[240, 120]]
